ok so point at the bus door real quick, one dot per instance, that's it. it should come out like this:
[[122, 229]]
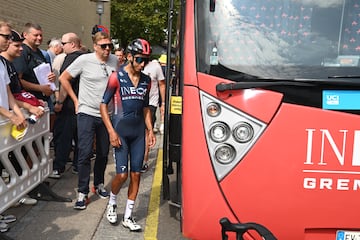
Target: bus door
[[173, 113]]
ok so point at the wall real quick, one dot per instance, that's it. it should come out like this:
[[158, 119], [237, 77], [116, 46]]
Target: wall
[[56, 17]]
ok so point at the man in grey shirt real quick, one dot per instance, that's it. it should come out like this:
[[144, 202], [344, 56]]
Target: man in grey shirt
[[94, 70]]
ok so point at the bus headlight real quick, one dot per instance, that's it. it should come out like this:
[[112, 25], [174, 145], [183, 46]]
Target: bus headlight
[[230, 133], [225, 154], [219, 132], [243, 132], [213, 109]]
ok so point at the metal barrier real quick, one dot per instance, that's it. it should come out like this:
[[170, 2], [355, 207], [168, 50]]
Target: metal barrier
[[25, 163]]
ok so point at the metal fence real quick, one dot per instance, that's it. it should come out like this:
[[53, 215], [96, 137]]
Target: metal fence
[[24, 163]]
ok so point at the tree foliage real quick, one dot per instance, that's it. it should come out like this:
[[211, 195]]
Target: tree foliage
[[132, 19]]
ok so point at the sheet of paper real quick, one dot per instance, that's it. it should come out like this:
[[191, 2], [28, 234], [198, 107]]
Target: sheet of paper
[[41, 73]]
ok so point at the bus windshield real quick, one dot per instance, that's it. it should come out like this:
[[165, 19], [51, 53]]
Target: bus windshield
[[279, 39]]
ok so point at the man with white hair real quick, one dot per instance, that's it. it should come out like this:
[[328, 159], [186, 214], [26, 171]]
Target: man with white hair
[[55, 48]]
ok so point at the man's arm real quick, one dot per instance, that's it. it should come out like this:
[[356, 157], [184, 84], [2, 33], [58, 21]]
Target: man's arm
[[162, 88], [58, 62], [62, 94], [38, 111], [148, 124], [16, 117], [111, 88], [65, 79], [60, 98], [28, 86], [113, 136]]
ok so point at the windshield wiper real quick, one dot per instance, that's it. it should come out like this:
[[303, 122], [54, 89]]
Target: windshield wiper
[[262, 83], [345, 76], [338, 82]]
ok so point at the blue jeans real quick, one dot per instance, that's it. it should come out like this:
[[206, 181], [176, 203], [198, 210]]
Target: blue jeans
[[88, 128], [65, 131]]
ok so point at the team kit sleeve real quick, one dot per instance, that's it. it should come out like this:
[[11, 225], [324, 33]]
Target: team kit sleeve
[[111, 87]]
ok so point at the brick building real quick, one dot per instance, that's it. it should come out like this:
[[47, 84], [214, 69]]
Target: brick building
[[56, 17]]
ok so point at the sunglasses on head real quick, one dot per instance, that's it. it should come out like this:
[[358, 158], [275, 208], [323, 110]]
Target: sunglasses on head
[[142, 59], [103, 46], [6, 36]]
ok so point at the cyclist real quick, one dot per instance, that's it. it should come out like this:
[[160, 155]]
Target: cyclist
[[130, 89]]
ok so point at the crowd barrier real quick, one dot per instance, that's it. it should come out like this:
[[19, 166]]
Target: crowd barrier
[[24, 163]]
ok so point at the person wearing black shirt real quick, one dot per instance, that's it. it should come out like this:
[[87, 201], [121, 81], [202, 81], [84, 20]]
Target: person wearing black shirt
[[65, 126]]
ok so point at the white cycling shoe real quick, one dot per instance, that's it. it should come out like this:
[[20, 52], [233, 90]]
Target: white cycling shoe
[[131, 224], [111, 214]]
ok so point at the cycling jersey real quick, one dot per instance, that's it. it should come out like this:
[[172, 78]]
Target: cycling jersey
[[128, 117]]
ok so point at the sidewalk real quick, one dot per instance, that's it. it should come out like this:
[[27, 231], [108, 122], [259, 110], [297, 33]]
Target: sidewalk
[[58, 220]]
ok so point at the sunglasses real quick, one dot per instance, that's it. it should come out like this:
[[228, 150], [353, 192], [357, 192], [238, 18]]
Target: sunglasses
[[6, 36], [139, 60], [103, 46], [103, 66], [64, 43]]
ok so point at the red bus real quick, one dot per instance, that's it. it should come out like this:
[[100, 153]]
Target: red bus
[[263, 120]]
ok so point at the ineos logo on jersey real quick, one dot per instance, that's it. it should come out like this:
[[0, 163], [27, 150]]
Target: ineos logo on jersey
[[133, 91], [332, 160]]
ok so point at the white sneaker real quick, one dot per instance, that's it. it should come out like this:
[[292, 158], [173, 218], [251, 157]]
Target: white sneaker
[[111, 214], [131, 224], [26, 201], [4, 227], [7, 218], [55, 174]]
